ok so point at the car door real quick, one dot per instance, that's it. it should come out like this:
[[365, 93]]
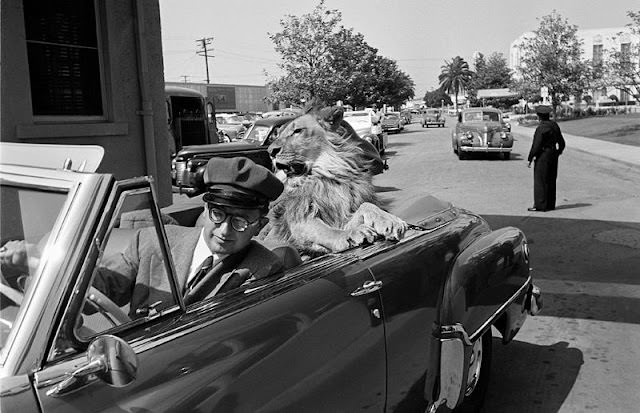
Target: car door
[[310, 340]]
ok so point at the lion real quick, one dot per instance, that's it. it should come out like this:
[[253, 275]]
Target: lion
[[329, 202]]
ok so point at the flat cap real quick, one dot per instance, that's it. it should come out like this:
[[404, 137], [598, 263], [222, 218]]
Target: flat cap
[[240, 183], [543, 109]]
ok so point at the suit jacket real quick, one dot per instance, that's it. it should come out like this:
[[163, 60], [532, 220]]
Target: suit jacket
[[138, 275]]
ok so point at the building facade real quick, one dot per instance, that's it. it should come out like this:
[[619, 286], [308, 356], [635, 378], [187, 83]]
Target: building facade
[[596, 46], [87, 72], [232, 98]]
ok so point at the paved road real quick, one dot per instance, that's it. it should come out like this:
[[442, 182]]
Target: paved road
[[583, 352]]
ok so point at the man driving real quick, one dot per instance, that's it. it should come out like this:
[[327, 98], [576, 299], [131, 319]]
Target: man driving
[[208, 260]]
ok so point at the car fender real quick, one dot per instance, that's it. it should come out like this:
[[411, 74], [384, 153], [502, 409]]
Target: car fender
[[488, 284], [488, 276]]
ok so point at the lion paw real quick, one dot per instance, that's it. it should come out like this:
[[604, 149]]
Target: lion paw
[[354, 237], [383, 223]]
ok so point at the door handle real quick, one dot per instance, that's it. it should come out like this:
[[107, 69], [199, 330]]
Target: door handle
[[367, 287]]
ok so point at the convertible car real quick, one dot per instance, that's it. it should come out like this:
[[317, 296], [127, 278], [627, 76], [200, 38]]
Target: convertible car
[[391, 326], [481, 130]]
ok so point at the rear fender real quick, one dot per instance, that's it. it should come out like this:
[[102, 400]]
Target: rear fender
[[489, 284]]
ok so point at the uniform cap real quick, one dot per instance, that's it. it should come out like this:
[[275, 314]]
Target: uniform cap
[[240, 183], [543, 109]]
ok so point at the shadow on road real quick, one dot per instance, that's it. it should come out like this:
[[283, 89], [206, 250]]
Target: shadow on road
[[570, 206], [531, 378]]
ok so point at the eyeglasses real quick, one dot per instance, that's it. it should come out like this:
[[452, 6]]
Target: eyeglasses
[[219, 216]]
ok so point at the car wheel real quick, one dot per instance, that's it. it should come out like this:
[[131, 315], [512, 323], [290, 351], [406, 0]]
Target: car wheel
[[478, 375], [506, 156], [461, 155]]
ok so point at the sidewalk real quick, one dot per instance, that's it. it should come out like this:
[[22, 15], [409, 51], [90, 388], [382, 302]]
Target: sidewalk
[[623, 153]]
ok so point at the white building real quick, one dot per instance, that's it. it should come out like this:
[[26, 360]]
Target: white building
[[596, 45]]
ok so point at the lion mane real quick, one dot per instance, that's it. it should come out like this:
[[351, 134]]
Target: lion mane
[[329, 201]]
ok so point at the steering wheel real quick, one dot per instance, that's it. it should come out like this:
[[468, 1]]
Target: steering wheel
[[107, 307]]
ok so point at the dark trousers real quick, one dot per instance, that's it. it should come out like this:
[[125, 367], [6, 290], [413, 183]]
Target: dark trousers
[[545, 173]]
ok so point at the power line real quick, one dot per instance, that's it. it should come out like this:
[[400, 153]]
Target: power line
[[204, 42]]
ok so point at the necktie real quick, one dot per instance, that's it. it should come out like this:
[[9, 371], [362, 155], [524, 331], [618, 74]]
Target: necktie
[[204, 269]]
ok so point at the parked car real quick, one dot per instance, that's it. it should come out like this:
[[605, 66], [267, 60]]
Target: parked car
[[432, 117], [392, 122], [368, 126], [188, 166], [231, 126], [384, 325], [481, 130]]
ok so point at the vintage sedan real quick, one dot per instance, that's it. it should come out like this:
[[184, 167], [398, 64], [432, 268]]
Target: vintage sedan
[[369, 127], [230, 126], [481, 130], [391, 326], [432, 117], [392, 122]]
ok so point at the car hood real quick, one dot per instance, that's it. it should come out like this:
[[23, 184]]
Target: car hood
[[218, 147]]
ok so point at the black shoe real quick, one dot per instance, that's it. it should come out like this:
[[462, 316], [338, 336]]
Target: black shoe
[[533, 209]]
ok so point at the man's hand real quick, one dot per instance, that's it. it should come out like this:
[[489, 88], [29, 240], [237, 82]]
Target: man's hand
[[18, 255]]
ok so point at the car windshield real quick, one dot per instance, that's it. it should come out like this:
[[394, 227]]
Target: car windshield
[[27, 218], [257, 134], [391, 116], [432, 112], [235, 119], [481, 116]]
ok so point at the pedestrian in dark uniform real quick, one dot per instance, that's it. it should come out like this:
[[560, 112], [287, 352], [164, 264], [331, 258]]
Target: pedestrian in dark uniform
[[547, 146]]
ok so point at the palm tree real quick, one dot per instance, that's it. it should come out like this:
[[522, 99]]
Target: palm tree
[[455, 77]]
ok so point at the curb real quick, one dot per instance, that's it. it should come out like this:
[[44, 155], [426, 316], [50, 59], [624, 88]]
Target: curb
[[606, 147]]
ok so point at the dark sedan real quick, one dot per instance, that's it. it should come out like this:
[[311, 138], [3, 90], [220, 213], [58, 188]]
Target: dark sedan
[[380, 327], [189, 163], [482, 131]]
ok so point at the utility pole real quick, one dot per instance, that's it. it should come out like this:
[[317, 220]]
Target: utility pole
[[185, 78], [203, 43]]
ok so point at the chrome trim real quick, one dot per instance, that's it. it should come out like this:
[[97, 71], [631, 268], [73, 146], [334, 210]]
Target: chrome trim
[[476, 334], [483, 149]]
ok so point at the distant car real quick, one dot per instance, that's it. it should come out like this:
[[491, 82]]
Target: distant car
[[432, 117], [230, 125], [390, 325], [368, 126], [481, 130], [392, 122]]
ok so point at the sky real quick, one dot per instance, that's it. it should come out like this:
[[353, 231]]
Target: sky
[[420, 35]]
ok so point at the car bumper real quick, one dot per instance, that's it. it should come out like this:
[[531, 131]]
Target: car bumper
[[484, 149]]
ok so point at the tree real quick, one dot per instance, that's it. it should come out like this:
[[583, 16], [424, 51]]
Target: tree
[[304, 45], [493, 73], [455, 77], [324, 62], [437, 98], [624, 64], [552, 58]]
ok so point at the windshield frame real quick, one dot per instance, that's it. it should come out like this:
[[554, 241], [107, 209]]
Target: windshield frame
[[27, 342]]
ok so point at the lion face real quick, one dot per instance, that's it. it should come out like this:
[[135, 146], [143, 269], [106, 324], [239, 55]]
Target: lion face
[[299, 145]]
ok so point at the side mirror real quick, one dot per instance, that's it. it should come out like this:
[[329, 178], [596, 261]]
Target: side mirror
[[110, 359]]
